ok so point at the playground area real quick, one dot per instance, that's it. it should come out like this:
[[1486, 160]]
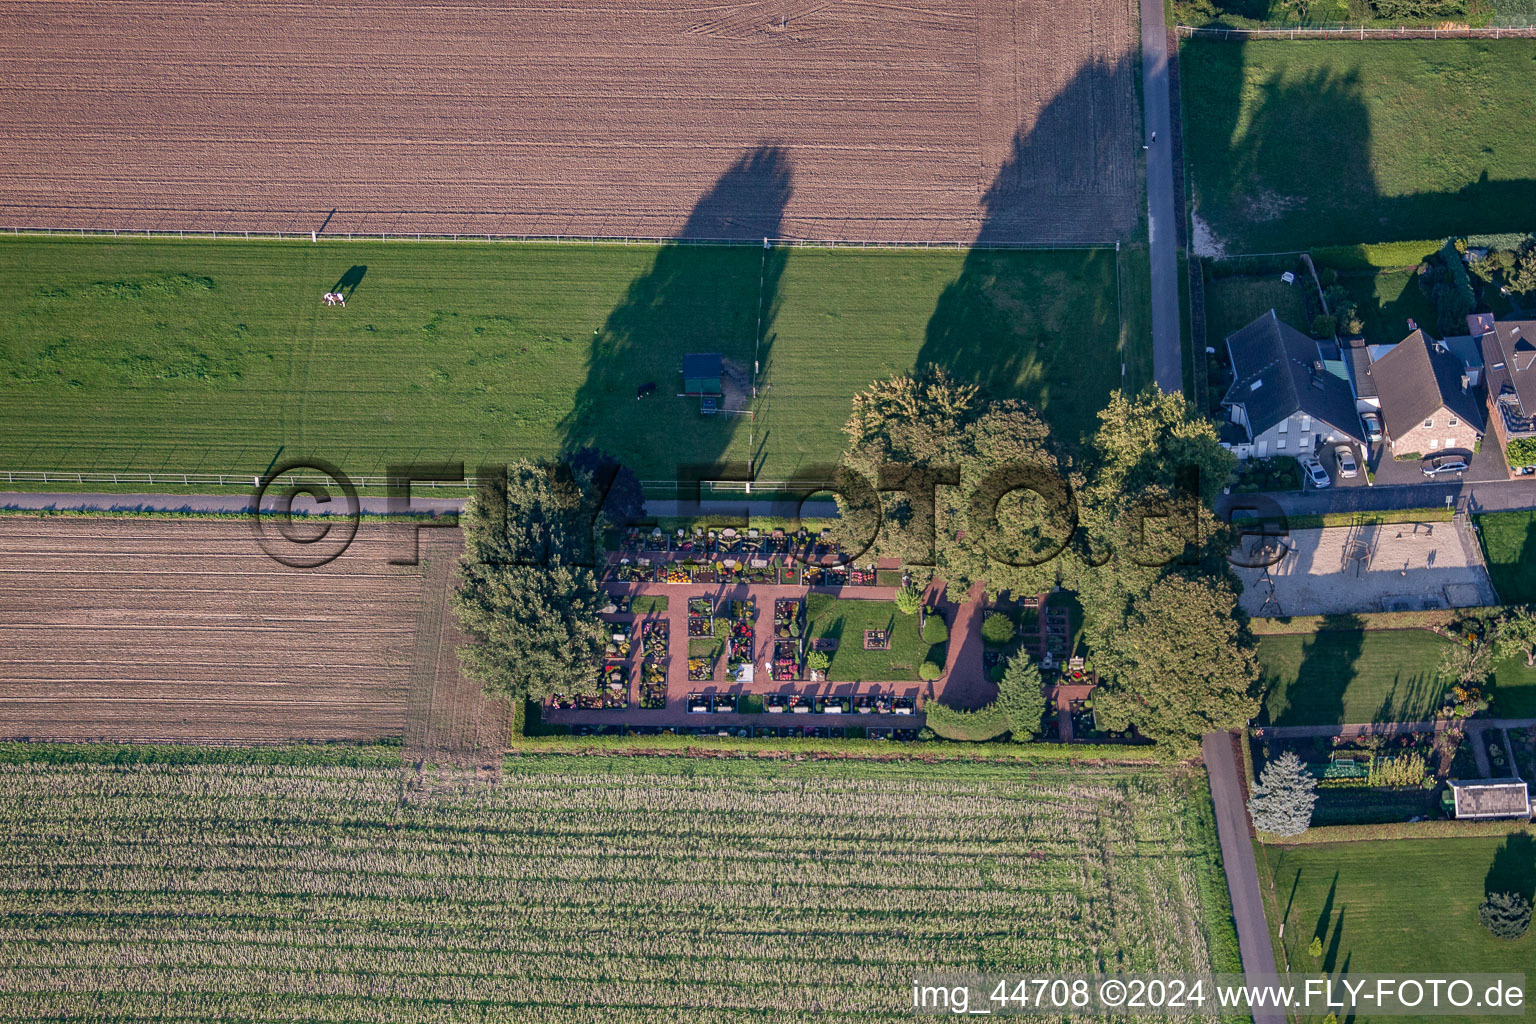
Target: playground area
[[1363, 568]]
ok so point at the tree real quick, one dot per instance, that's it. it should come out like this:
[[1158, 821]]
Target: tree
[[1282, 800], [997, 628], [1516, 635], [918, 430], [1159, 441], [1179, 664], [1468, 661], [908, 599], [1325, 325], [617, 487], [1017, 709], [1506, 915], [1021, 698], [1315, 947], [528, 606]]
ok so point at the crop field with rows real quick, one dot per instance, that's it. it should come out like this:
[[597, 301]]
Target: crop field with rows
[[583, 888]]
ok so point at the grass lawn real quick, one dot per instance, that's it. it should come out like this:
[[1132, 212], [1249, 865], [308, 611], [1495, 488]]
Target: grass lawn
[[845, 621], [213, 356], [1509, 544], [1296, 144], [1400, 906], [1350, 676], [1387, 300], [1234, 302]]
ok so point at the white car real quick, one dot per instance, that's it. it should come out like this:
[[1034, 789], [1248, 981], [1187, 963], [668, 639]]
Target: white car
[[1315, 472], [1346, 456]]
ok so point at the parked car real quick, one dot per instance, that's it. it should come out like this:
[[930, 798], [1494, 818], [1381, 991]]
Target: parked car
[[1372, 426], [1441, 465], [1315, 472], [1347, 466]]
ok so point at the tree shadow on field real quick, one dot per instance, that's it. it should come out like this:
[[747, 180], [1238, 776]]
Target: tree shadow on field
[[1514, 867], [1316, 695], [1280, 162], [694, 298], [1025, 325]]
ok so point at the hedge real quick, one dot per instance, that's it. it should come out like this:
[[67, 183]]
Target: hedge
[[384, 754], [977, 726], [1440, 829], [1307, 624], [851, 749]]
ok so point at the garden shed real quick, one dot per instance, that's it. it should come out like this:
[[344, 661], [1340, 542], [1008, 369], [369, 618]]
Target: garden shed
[[1491, 798], [701, 373]]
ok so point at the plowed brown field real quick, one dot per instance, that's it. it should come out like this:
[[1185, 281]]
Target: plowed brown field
[[949, 120], [179, 630]]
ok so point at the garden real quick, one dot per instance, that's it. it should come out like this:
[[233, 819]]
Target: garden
[[836, 628], [1376, 779], [731, 556]]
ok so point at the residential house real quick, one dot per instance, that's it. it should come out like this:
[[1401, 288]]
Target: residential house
[[1509, 369], [1284, 396], [1427, 400]]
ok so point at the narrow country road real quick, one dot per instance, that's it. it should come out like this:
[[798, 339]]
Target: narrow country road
[[1162, 204], [1242, 871]]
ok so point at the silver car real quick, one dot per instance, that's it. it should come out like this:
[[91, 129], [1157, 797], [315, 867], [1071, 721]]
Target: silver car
[[1372, 427], [1444, 464], [1347, 466], [1315, 472]]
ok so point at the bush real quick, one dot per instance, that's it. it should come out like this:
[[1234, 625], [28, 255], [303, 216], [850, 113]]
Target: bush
[[817, 661], [997, 629], [908, 599], [935, 630], [1521, 451], [965, 726], [930, 670], [1506, 915], [1324, 326]]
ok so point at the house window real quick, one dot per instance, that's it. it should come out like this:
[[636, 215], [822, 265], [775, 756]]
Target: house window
[[1429, 423], [1452, 423], [1304, 442], [1285, 424], [1280, 444], [1450, 442], [1306, 423], [1434, 443]]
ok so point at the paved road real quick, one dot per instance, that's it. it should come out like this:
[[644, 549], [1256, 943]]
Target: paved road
[[1242, 871], [1167, 350], [1485, 496]]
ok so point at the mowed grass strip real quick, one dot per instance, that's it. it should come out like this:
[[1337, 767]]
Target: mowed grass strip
[[845, 620], [1349, 677], [1405, 906], [1295, 144], [1509, 545], [578, 888], [211, 356]]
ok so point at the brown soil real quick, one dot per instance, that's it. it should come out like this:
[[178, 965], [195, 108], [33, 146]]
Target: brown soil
[[179, 630], [945, 121]]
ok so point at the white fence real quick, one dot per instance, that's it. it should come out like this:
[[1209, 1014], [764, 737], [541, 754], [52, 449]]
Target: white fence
[[383, 236]]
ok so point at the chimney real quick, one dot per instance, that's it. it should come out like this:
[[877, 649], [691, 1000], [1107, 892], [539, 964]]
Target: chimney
[[1412, 326], [1465, 383]]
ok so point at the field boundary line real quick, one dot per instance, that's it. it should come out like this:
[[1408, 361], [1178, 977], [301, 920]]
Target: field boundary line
[[1359, 33], [619, 240]]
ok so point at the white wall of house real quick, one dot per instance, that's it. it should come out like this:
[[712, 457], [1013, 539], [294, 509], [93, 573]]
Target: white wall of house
[[1296, 436]]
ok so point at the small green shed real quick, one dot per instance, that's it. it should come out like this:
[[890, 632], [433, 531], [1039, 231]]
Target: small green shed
[[701, 373]]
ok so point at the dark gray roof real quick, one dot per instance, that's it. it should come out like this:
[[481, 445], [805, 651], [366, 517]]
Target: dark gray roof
[[1416, 379], [701, 364], [1509, 358], [1491, 798], [1358, 358], [1279, 373]]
